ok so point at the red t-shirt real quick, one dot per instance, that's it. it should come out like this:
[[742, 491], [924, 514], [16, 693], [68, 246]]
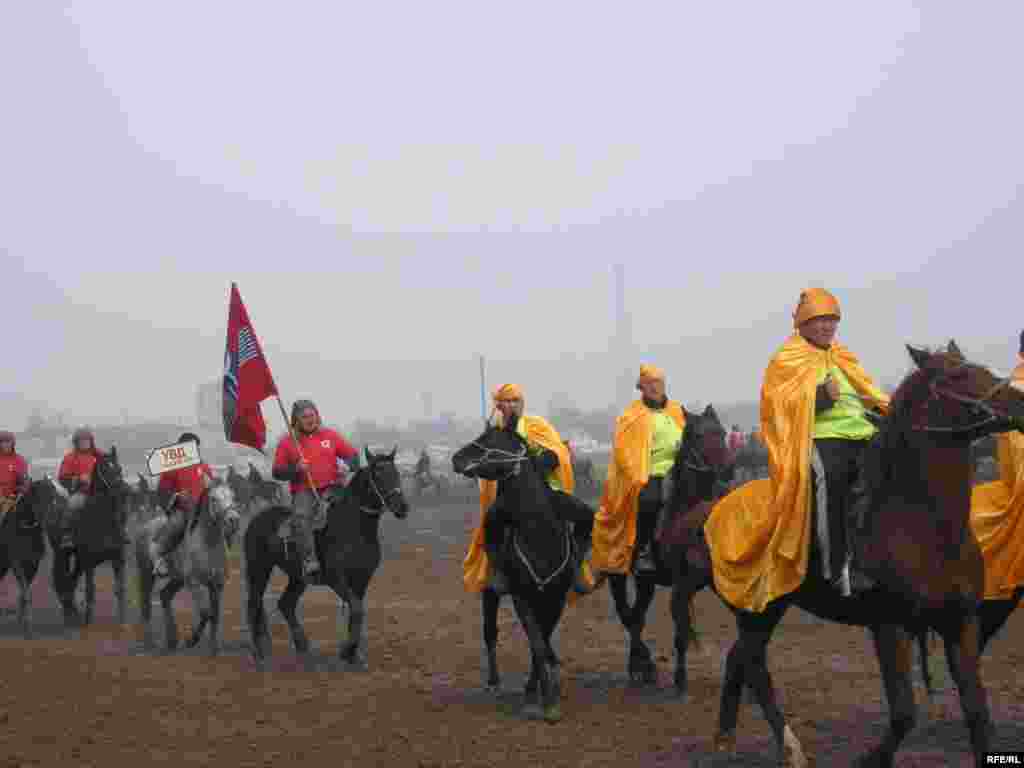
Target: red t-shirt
[[12, 468], [321, 450], [188, 481], [76, 464]]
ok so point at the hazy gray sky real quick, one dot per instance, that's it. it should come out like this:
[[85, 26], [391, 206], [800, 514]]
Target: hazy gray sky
[[422, 182]]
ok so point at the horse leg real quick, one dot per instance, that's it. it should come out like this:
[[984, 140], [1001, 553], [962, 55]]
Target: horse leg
[[641, 666], [200, 611], [538, 655], [963, 651], [24, 599], [895, 650], [145, 576], [747, 662], [550, 615], [120, 593], [356, 626], [925, 643], [64, 585], [682, 618], [287, 604], [216, 617], [489, 602], [167, 603], [90, 595], [257, 576]]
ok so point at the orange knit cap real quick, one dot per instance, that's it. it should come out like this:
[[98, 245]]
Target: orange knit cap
[[815, 302]]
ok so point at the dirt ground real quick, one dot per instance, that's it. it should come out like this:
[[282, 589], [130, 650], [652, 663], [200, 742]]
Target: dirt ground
[[95, 698]]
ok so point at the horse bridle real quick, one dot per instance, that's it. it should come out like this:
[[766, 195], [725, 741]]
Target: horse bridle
[[381, 497], [515, 458], [978, 403]]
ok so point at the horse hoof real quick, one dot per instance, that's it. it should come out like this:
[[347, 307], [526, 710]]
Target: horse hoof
[[532, 711], [792, 751], [682, 695], [492, 689], [552, 713], [725, 743]]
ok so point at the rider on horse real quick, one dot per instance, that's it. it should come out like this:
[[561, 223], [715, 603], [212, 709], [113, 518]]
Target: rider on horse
[[816, 427], [14, 476], [76, 475], [179, 492], [647, 438], [550, 454], [314, 461]]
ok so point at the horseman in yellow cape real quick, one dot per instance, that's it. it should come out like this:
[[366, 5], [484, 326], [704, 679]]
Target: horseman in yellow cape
[[813, 414], [647, 437], [997, 511], [552, 456]]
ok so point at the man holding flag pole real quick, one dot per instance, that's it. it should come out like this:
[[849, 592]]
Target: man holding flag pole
[[307, 462]]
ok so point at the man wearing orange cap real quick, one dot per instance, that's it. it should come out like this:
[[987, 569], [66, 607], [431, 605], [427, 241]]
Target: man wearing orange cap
[[647, 437], [552, 455], [814, 422]]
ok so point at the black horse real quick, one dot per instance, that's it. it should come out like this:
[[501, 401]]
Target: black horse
[[698, 477], [22, 544], [348, 548], [538, 560], [97, 538]]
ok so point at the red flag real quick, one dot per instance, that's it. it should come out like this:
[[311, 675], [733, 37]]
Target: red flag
[[247, 379]]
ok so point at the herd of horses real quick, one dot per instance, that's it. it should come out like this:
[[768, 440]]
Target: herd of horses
[[927, 568]]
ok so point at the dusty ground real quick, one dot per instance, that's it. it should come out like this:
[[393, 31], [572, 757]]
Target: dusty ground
[[97, 699]]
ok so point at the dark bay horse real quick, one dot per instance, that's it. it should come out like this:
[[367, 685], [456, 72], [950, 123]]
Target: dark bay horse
[[915, 543], [23, 545], [539, 561], [349, 550], [98, 538], [696, 478]]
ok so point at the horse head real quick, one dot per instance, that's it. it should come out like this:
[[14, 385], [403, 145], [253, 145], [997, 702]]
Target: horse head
[[948, 394], [497, 454], [222, 507], [379, 484], [108, 476]]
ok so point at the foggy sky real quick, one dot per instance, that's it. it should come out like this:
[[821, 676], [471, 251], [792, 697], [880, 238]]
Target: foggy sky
[[399, 187]]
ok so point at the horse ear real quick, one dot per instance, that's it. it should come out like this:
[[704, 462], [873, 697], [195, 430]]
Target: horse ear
[[954, 350], [369, 456], [919, 356], [394, 452], [709, 412], [113, 452]]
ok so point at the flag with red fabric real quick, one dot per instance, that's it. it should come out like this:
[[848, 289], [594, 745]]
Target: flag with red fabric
[[247, 379]]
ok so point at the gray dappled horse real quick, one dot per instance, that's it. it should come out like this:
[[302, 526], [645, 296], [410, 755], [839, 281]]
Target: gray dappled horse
[[23, 545], [348, 547], [199, 563]]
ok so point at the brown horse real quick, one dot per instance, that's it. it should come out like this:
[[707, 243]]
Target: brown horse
[[915, 543]]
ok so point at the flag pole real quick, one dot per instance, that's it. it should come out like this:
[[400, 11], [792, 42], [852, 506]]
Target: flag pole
[[483, 392]]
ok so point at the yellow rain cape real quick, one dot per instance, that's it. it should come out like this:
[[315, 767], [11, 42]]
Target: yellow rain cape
[[759, 535], [628, 471], [997, 519], [538, 432]]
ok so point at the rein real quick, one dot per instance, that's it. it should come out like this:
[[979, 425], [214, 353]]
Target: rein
[[978, 403], [515, 458]]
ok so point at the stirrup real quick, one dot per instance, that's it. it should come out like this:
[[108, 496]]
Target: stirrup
[[645, 560]]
